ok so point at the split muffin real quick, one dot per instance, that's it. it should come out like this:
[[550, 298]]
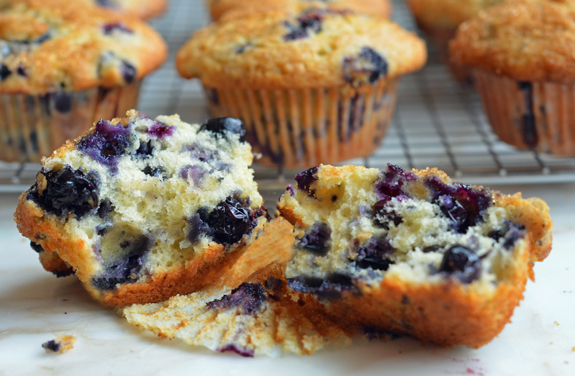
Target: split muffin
[[413, 252], [64, 65], [315, 85], [521, 53], [142, 210], [219, 8]]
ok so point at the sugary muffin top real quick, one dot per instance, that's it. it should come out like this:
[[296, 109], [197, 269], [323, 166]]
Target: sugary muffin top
[[219, 7], [312, 47], [526, 40], [50, 45], [139, 8], [447, 14]]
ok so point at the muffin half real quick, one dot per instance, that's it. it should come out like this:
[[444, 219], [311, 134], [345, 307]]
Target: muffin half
[[141, 209], [413, 252]]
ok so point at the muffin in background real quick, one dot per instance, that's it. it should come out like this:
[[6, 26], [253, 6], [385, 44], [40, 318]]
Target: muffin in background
[[522, 56], [440, 19], [64, 65], [143, 9], [316, 85], [235, 8]]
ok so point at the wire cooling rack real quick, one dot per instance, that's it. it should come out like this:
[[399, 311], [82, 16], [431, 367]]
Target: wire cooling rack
[[437, 122]]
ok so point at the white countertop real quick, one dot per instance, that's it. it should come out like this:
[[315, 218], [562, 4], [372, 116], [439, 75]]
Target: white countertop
[[34, 305]]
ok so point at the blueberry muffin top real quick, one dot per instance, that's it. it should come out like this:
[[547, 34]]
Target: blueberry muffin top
[[139, 8], [311, 47], [447, 14], [50, 45], [238, 8], [360, 224], [526, 40]]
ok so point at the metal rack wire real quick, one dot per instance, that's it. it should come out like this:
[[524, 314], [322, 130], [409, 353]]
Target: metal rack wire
[[437, 122]]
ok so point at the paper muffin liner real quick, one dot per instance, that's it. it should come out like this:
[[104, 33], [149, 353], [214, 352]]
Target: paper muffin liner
[[306, 127], [530, 115], [32, 126]]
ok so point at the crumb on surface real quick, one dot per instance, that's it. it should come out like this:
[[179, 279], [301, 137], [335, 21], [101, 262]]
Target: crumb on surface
[[556, 323], [60, 344]]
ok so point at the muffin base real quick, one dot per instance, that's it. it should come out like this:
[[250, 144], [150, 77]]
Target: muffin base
[[535, 116], [305, 127], [32, 126]]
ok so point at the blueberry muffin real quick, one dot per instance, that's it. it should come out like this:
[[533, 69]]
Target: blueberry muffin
[[219, 8], [262, 316], [440, 20], [143, 9], [413, 252], [64, 65], [141, 209], [312, 85], [522, 57]]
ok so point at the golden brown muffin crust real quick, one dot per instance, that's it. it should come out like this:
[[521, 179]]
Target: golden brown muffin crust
[[526, 40], [234, 8], [49, 45], [447, 14], [256, 52]]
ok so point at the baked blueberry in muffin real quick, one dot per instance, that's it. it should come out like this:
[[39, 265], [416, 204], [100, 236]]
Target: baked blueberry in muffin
[[412, 251], [144, 209]]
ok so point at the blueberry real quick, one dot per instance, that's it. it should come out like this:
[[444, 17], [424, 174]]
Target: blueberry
[[106, 144], [201, 153], [67, 191], [290, 190], [242, 48], [22, 70], [145, 150], [511, 233], [317, 239], [224, 125], [161, 130], [464, 206], [111, 27], [107, 3], [127, 268], [230, 221], [5, 72], [306, 179], [105, 208], [198, 227], [368, 66], [197, 174], [62, 102], [240, 350], [306, 23], [433, 248], [462, 262], [249, 297], [153, 171], [52, 345], [391, 182], [329, 288], [375, 254], [36, 247], [128, 71], [454, 211], [385, 215], [310, 21]]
